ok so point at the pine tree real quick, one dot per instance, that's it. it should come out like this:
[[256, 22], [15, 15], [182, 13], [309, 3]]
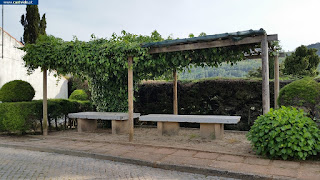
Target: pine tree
[[32, 24]]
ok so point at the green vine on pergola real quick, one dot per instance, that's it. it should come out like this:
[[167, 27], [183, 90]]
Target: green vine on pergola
[[103, 62]]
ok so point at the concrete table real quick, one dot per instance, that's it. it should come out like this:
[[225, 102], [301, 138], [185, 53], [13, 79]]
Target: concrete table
[[87, 121], [211, 126]]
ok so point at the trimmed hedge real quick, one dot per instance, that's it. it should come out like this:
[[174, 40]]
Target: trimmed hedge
[[304, 94], [16, 91], [79, 94], [216, 97], [22, 116]]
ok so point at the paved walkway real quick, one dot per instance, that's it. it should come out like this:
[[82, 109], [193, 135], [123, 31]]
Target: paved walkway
[[24, 164], [194, 161]]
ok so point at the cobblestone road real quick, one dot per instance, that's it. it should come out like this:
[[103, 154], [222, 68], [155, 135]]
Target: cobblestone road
[[23, 164]]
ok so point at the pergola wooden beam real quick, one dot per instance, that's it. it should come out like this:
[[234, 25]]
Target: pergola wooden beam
[[212, 44]]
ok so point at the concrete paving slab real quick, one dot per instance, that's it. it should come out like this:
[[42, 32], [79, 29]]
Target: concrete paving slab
[[171, 159], [257, 161], [204, 155], [225, 165], [152, 157], [249, 168], [145, 149], [287, 172], [165, 151], [231, 158], [188, 153], [286, 164], [309, 174]]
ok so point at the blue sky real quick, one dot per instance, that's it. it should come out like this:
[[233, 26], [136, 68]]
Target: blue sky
[[295, 21]]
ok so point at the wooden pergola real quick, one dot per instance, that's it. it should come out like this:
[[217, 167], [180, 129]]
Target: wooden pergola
[[222, 40]]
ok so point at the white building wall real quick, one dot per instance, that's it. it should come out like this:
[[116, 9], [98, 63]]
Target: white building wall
[[12, 68]]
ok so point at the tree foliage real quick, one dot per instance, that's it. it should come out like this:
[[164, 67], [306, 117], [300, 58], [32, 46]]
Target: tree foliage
[[103, 62], [303, 62], [315, 46], [33, 25]]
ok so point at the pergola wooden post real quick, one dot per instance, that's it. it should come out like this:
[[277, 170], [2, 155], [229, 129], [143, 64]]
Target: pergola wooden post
[[45, 103], [276, 80], [175, 92], [265, 75], [130, 97]]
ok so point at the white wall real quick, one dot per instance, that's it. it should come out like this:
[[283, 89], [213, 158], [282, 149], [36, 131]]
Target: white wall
[[12, 68]]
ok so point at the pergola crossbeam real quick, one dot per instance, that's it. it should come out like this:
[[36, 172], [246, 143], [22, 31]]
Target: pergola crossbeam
[[211, 44]]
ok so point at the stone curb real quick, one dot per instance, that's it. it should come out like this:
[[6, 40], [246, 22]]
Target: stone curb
[[176, 167]]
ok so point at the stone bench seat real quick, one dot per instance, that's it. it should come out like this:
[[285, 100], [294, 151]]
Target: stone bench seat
[[211, 126], [87, 121]]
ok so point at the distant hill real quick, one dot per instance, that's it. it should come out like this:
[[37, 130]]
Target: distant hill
[[316, 46], [239, 70]]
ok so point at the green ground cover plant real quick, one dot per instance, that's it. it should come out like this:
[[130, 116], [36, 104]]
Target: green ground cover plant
[[285, 133]]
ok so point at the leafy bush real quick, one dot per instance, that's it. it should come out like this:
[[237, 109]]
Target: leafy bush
[[285, 133], [16, 91], [79, 94], [22, 116], [304, 94], [17, 116]]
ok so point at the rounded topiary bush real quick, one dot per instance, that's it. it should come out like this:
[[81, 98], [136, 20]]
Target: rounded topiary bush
[[16, 91], [79, 94], [304, 94], [285, 133]]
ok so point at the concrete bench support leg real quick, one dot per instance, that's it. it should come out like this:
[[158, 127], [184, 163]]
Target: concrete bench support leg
[[120, 127], [168, 128], [213, 131], [87, 125]]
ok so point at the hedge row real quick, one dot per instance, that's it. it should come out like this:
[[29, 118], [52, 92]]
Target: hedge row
[[24, 116], [214, 97]]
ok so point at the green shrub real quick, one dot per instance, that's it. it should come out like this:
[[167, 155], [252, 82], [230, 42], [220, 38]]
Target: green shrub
[[79, 94], [16, 91], [304, 94], [285, 133], [22, 116], [18, 116]]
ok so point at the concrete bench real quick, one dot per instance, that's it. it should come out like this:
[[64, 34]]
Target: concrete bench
[[211, 126], [87, 121]]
